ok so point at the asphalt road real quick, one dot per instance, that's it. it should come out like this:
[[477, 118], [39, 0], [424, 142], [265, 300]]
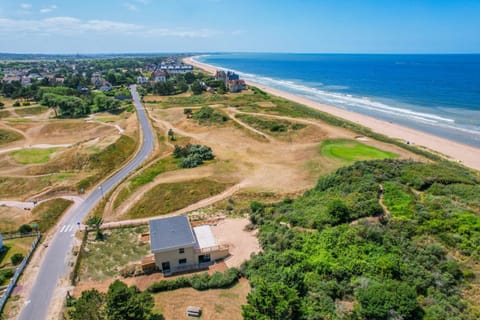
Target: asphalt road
[[55, 263]]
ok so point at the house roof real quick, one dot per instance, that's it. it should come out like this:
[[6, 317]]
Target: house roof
[[171, 233], [204, 237]]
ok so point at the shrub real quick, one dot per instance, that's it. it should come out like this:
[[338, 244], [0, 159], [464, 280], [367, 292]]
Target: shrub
[[17, 258], [128, 271], [16, 104], [25, 228]]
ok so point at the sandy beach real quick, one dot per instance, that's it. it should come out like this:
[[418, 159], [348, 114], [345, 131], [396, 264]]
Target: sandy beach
[[467, 155]]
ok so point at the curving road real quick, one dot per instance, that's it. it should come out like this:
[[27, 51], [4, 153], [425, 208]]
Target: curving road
[[55, 264]]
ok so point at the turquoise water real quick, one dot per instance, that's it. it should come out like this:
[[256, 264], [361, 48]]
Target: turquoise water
[[438, 94]]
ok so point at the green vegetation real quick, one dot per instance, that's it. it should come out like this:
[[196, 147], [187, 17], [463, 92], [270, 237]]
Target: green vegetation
[[49, 212], [102, 259], [351, 150], [107, 160], [209, 116], [192, 155], [169, 197], [399, 267], [202, 281], [7, 136], [31, 111], [119, 303], [145, 177], [270, 125], [32, 156], [13, 186], [17, 258]]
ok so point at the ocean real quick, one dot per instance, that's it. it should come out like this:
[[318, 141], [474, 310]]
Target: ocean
[[438, 94]]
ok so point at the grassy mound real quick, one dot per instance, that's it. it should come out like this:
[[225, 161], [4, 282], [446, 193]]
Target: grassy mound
[[7, 136], [169, 197], [32, 156], [350, 151]]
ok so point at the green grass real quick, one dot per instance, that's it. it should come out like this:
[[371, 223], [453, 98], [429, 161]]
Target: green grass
[[13, 246], [5, 114], [146, 176], [7, 136], [270, 125], [102, 259], [399, 201], [49, 212], [31, 111], [32, 156], [107, 160], [350, 151], [169, 197]]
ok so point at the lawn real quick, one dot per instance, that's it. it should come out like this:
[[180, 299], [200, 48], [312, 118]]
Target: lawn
[[12, 246], [7, 136], [102, 259], [215, 303], [31, 111], [350, 151], [47, 213], [169, 197], [144, 177], [32, 156]]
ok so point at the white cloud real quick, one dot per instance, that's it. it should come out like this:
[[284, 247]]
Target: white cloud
[[48, 9], [25, 6], [71, 26], [130, 6]]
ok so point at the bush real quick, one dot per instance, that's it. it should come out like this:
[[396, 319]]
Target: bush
[[16, 104], [25, 228], [192, 155], [128, 271], [17, 258], [199, 281]]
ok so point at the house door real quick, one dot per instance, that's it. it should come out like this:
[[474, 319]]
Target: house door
[[166, 267], [204, 258]]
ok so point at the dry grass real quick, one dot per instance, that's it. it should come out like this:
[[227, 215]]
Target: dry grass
[[216, 304]]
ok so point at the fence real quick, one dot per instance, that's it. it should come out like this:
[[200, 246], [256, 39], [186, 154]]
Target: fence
[[18, 272], [8, 236]]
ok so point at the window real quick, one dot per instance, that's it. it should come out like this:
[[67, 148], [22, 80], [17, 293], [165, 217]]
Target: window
[[181, 250], [182, 261]]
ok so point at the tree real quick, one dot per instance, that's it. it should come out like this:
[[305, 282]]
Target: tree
[[128, 303], [25, 228], [171, 135], [196, 87], [387, 300], [1, 105], [188, 112], [96, 222], [90, 306], [189, 77], [16, 104], [16, 258], [274, 301], [338, 211]]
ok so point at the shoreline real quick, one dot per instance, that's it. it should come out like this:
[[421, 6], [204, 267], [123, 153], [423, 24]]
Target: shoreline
[[452, 150]]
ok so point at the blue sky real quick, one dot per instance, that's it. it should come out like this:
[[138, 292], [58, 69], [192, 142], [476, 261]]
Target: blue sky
[[349, 26]]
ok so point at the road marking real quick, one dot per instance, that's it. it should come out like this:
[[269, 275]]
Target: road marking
[[67, 228], [63, 228]]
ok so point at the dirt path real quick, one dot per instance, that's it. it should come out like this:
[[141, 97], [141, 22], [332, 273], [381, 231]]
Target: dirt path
[[198, 205], [248, 127]]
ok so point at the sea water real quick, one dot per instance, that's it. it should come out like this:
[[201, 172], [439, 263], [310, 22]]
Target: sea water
[[438, 94]]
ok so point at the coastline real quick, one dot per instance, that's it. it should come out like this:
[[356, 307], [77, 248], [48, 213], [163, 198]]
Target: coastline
[[455, 151]]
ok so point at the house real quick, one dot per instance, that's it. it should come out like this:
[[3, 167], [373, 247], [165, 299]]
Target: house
[[1, 242], [178, 247], [220, 75], [142, 80], [26, 81], [159, 76], [236, 85]]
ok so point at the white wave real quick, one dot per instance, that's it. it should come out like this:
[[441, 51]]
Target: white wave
[[352, 102]]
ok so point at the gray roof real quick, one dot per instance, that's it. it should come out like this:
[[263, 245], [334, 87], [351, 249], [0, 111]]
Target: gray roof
[[171, 233]]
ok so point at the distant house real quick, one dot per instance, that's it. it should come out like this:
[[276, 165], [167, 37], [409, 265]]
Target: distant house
[[178, 247], [26, 81], [220, 75], [10, 79], [105, 87], [142, 80], [236, 85], [1, 242], [59, 80], [159, 76]]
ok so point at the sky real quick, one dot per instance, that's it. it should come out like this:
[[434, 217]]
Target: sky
[[324, 26]]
